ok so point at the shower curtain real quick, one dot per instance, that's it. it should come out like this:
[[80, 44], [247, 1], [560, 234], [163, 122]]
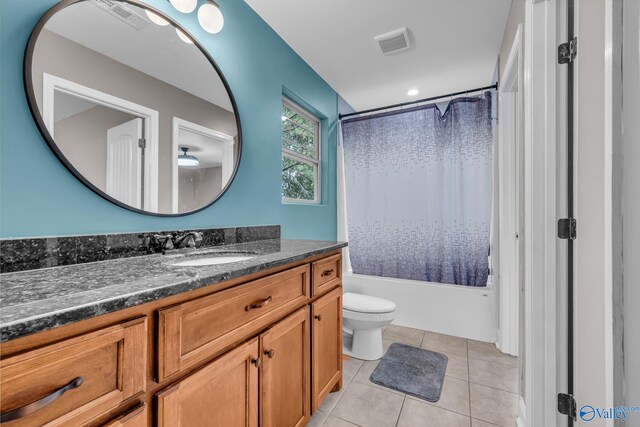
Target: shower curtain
[[418, 192]]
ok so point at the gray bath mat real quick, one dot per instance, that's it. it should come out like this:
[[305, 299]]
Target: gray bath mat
[[412, 370]]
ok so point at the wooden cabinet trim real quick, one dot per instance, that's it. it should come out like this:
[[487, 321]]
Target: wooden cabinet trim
[[136, 417], [173, 357], [130, 343], [273, 399], [327, 274], [170, 399], [319, 390]]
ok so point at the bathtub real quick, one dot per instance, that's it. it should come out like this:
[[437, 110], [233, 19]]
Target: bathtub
[[462, 311]]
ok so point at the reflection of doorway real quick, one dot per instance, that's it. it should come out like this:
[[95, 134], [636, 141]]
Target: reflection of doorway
[[124, 163], [79, 98], [216, 154]]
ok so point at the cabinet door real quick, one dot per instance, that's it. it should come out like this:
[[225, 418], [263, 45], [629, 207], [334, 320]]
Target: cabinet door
[[137, 417], [75, 380], [326, 336], [285, 383], [222, 394]]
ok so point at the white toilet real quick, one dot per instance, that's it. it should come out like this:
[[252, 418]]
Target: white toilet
[[363, 318]]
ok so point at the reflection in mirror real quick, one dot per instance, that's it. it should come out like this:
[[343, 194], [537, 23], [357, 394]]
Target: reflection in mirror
[[135, 111]]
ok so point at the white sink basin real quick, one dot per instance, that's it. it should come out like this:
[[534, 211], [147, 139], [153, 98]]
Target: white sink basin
[[211, 261]]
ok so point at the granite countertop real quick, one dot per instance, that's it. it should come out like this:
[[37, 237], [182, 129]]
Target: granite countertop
[[37, 300]]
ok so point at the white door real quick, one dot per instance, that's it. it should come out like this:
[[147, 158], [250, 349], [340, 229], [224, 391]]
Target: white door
[[124, 163]]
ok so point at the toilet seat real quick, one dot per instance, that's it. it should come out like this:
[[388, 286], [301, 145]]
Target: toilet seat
[[359, 303]]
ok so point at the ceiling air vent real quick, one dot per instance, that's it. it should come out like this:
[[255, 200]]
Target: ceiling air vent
[[394, 41], [121, 12]]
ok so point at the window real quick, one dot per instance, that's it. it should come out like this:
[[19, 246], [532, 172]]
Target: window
[[300, 154]]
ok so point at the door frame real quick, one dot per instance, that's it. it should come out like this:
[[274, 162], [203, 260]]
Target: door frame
[[543, 93], [51, 84], [227, 163], [511, 115]]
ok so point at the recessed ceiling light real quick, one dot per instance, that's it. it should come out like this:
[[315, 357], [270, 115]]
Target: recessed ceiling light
[[413, 92]]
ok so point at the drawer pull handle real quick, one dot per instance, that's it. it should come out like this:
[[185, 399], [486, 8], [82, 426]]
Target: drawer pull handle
[[318, 317], [269, 353], [258, 304], [39, 404], [257, 361], [327, 272]]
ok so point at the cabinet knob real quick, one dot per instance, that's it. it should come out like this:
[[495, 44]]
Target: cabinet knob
[[318, 317], [257, 361], [269, 353]]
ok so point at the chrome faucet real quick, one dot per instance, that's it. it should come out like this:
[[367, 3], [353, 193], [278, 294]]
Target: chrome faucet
[[190, 239]]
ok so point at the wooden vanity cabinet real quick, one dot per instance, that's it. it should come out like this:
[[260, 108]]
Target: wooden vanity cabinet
[[76, 380], [223, 393], [327, 274], [285, 377], [326, 348], [191, 332], [137, 417], [262, 350]]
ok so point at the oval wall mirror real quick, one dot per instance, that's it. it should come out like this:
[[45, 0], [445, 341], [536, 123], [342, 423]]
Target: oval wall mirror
[[133, 106]]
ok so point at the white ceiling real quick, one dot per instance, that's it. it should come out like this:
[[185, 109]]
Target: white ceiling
[[455, 44], [69, 105], [154, 50]]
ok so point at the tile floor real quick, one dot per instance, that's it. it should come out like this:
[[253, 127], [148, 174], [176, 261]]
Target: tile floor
[[479, 389]]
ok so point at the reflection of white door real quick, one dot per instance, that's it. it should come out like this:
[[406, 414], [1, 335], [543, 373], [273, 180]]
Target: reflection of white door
[[124, 163], [213, 148]]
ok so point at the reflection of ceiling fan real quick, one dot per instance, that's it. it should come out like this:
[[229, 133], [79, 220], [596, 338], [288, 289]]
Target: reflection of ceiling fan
[[186, 159]]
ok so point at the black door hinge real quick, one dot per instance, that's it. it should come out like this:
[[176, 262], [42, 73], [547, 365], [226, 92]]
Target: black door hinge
[[567, 405], [142, 143], [567, 228], [567, 51]]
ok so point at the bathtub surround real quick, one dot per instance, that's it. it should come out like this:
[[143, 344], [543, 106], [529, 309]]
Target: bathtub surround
[[44, 252], [38, 300], [418, 191], [39, 197], [462, 311]]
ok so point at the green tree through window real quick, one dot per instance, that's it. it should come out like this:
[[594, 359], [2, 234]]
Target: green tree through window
[[300, 154]]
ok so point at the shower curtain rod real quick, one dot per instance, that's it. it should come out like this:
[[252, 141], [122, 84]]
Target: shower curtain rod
[[419, 101]]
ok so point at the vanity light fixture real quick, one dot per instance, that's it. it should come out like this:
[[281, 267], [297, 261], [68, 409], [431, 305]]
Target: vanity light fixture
[[184, 6], [210, 17], [186, 159]]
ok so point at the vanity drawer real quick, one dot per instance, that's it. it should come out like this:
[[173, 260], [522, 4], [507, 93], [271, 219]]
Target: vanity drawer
[[76, 380], [327, 274], [192, 332]]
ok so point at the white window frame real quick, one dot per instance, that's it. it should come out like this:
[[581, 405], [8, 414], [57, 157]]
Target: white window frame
[[301, 157]]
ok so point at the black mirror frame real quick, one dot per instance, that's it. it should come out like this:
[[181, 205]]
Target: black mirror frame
[[35, 112]]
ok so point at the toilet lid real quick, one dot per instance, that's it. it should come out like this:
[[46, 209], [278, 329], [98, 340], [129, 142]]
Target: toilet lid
[[366, 304]]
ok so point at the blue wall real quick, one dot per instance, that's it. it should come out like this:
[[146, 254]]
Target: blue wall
[[38, 197]]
